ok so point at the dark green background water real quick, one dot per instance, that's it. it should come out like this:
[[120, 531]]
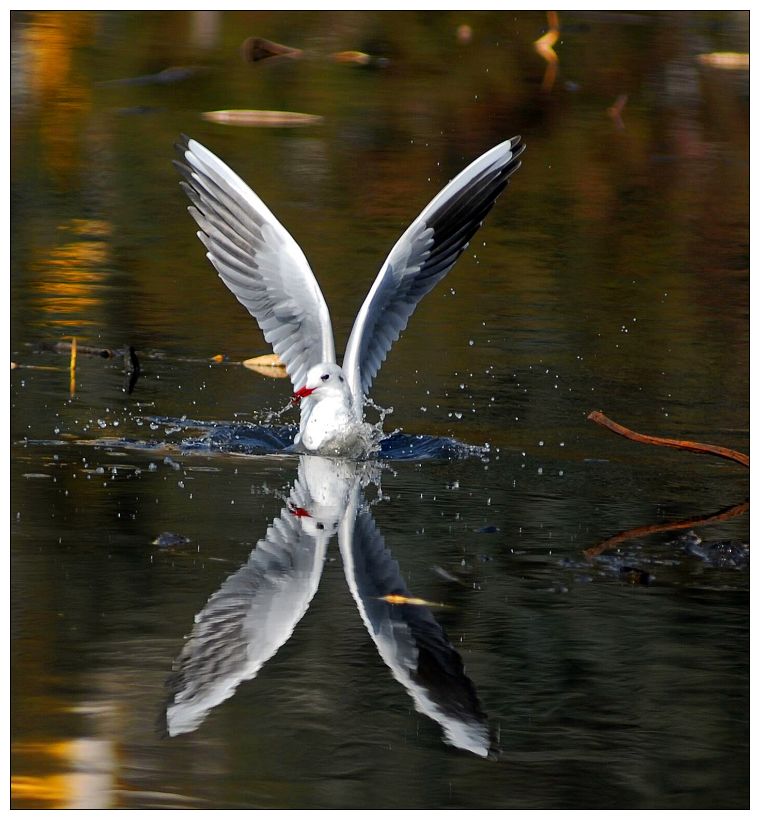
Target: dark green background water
[[612, 275]]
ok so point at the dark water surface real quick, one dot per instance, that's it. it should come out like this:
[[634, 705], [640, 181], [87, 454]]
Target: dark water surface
[[544, 671]]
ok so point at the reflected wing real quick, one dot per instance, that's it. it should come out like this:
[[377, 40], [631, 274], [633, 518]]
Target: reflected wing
[[409, 639], [258, 260], [251, 616], [423, 255]]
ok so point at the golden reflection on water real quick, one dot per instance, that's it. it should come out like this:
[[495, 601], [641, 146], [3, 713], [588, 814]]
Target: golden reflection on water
[[56, 91], [72, 274], [87, 782]]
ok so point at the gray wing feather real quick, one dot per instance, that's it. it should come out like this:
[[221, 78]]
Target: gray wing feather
[[258, 260], [423, 255]]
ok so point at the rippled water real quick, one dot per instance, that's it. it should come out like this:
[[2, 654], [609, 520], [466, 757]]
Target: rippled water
[[199, 618]]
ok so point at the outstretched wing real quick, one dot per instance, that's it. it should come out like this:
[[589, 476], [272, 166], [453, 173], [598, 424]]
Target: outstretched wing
[[423, 255], [258, 260]]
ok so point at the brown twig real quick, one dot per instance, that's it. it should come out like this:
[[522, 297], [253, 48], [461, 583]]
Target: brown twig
[[690, 523], [694, 446]]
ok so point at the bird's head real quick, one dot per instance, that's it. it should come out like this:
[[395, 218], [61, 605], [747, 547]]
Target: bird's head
[[322, 381]]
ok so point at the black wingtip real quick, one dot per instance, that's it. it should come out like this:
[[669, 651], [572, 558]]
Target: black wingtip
[[182, 145], [517, 146], [185, 172]]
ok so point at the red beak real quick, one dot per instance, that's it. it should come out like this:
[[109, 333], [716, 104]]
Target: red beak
[[299, 512], [302, 394]]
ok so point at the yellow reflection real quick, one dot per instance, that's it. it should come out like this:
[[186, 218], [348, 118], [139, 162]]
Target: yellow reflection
[[88, 783], [59, 93], [61, 305], [73, 273], [74, 322], [83, 253], [91, 227], [63, 288], [51, 788]]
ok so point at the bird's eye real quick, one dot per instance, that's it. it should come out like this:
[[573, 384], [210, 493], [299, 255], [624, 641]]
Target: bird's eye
[[320, 526], [325, 377], [340, 377]]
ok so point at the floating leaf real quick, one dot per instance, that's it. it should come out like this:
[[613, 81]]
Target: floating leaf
[[268, 360], [268, 365], [403, 599], [351, 57], [255, 49], [262, 119], [268, 370], [729, 60], [220, 357]]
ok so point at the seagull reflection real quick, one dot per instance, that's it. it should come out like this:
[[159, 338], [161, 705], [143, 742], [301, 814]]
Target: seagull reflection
[[257, 608]]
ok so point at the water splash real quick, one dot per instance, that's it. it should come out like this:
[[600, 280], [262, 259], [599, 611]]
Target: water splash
[[275, 415]]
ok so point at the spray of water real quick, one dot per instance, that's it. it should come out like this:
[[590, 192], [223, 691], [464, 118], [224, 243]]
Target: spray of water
[[275, 415]]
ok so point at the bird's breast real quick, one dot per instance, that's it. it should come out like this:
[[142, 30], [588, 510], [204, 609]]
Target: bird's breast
[[328, 426]]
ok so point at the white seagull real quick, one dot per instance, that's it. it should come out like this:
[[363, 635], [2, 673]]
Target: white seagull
[[267, 272]]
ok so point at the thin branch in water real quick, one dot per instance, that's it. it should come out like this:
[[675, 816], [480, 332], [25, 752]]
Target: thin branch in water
[[694, 446], [688, 524]]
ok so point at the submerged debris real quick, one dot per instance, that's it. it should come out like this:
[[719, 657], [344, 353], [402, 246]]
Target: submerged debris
[[167, 540], [719, 554], [634, 575], [173, 74]]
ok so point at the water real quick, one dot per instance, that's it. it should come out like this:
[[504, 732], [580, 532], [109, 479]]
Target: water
[[612, 275]]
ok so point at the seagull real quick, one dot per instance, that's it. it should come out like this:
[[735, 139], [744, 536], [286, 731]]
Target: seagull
[[268, 273]]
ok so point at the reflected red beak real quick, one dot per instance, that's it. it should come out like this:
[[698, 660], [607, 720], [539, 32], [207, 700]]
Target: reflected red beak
[[300, 512], [302, 394]]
